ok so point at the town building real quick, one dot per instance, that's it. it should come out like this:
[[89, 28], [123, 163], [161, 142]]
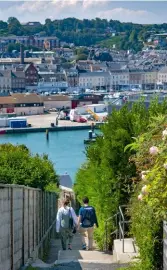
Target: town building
[[32, 24], [22, 104], [56, 102], [35, 41], [149, 80], [31, 75], [52, 86], [119, 79], [94, 80], [11, 81], [66, 53], [18, 81], [72, 77], [85, 99], [162, 77]]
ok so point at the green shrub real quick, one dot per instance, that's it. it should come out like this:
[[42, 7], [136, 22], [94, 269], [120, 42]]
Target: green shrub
[[19, 166]]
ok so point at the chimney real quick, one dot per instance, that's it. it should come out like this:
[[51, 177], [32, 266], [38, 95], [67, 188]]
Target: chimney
[[21, 54]]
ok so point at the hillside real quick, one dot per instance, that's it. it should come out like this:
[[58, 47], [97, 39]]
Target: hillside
[[86, 32]]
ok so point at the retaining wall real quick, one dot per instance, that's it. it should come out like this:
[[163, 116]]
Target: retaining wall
[[27, 217]]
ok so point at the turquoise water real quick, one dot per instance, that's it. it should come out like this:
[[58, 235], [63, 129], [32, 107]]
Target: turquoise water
[[64, 148]]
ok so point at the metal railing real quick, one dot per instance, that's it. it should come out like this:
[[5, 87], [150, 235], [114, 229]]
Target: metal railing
[[106, 229], [120, 222]]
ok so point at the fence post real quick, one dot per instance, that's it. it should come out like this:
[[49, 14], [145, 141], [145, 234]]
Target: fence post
[[34, 220], [106, 229], [28, 223], [11, 229], [23, 224]]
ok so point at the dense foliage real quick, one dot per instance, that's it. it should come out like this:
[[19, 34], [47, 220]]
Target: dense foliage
[[106, 176], [86, 32], [148, 206], [19, 166], [110, 177]]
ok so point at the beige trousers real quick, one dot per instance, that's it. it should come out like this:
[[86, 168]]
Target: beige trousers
[[87, 233]]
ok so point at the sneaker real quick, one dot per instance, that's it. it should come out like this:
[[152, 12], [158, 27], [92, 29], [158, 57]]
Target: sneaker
[[69, 247], [84, 247]]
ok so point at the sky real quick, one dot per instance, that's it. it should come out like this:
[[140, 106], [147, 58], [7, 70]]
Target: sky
[[145, 12]]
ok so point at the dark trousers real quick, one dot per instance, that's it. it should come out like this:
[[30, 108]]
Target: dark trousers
[[66, 235]]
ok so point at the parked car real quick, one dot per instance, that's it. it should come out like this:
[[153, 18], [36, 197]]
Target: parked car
[[81, 120]]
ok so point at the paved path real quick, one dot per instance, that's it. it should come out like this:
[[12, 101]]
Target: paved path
[[76, 259]]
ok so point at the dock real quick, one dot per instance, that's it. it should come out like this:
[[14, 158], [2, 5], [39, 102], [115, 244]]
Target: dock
[[50, 129]]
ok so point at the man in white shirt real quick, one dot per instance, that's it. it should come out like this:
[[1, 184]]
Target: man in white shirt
[[66, 220]]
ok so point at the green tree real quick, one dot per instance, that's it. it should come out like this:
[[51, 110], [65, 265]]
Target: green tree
[[49, 27], [14, 26], [81, 57], [19, 166], [133, 36]]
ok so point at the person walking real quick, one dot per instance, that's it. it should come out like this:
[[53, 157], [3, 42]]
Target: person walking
[[65, 222], [86, 222]]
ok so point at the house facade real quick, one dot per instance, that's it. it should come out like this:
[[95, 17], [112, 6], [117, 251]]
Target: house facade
[[11, 81], [95, 80], [119, 79], [31, 75]]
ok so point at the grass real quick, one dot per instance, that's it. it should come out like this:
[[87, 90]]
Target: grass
[[32, 268]]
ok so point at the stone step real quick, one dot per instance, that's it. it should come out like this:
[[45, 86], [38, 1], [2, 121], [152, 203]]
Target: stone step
[[73, 255], [129, 253], [88, 265], [81, 265]]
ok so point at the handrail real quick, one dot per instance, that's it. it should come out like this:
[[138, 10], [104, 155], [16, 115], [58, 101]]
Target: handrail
[[122, 223], [120, 210], [106, 229]]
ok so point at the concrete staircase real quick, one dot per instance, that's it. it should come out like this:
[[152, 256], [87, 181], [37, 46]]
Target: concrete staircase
[[78, 259]]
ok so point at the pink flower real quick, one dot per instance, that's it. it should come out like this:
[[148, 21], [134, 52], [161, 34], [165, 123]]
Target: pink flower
[[145, 172], [144, 190], [164, 133], [143, 177], [140, 197], [154, 150]]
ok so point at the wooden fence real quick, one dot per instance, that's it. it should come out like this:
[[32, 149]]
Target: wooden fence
[[27, 217]]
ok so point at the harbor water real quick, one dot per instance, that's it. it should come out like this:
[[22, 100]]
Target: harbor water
[[64, 148]]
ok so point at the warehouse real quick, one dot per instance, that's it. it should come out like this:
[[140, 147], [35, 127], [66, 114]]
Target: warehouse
[[22, 104]]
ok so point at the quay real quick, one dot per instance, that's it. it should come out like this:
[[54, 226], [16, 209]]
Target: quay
[[41, 123], [50, 129]]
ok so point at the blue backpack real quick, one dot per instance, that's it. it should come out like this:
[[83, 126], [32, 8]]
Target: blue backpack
[[88, 217]]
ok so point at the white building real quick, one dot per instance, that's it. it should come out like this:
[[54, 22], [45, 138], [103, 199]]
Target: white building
[[149, 77], [119, 78], [5, 81], [94, 80], [162, 75], [51, 86]]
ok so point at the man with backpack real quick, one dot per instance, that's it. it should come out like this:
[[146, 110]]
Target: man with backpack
[[86, 221], [65, 224]]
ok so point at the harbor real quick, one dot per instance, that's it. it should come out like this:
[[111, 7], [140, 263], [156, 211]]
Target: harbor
[[64, 149]]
